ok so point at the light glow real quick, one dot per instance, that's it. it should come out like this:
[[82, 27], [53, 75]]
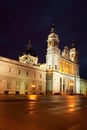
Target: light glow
[[71, 102], [32, 97]]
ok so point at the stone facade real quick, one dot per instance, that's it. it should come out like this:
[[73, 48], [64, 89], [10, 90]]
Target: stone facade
[[62, 69], [60, 73], [17, 77]]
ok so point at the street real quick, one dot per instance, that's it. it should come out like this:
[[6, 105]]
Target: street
[[40, 112]]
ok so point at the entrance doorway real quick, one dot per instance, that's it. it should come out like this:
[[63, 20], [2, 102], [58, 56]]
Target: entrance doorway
[[71, 86]]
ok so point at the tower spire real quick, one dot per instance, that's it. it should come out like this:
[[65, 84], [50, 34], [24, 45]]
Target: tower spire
[[29, 46], [73, 43], [53, 28]]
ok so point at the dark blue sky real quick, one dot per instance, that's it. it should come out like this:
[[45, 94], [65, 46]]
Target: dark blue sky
[[24, 20]]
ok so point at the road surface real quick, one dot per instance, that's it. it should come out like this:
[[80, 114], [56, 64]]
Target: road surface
[[35, 112]]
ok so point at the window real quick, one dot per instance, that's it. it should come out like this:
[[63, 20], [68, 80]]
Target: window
[[72, 55], [40, 75], [49, 66], [8, 85], [55, 66], [26, 87], [27, 73], [63, 85], [9, 70], [34, 74], [40, 87], [19, 72]]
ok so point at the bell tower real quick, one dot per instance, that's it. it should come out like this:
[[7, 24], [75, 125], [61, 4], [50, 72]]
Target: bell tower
[[53, 39], [52, 59], [53, 50]]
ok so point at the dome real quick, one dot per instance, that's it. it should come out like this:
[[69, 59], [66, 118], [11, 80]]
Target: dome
[[29, 51]]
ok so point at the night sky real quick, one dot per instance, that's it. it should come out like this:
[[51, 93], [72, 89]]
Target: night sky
[[24, 20]]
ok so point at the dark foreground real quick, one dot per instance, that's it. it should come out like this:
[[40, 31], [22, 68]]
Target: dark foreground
[[43, 112]]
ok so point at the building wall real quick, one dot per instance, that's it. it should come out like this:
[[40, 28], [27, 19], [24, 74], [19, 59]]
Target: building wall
[[62, 66], [63, 83], [21, 78], [83, 86], [59, 74], [26, 78]]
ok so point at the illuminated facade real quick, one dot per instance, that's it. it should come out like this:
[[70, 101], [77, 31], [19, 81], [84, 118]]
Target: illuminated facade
[[62, 69], [60, 73]]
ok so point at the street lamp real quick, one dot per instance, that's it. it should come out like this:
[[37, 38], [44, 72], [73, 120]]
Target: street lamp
[[33, 85]]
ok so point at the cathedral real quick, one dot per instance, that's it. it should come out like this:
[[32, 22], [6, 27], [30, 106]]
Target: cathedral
[[60, 73]]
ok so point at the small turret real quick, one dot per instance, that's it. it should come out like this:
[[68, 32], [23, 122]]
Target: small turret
[[65, 52], [74, 53]]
